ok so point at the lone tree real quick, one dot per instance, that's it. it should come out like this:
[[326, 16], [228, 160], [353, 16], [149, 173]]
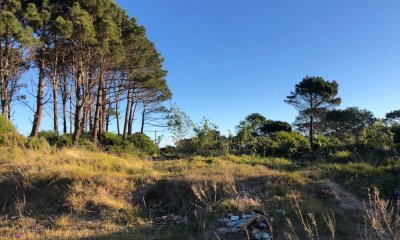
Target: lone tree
[[312, 97]]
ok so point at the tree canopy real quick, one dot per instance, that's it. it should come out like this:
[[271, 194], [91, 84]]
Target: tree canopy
[[312, 97], [90, 55]]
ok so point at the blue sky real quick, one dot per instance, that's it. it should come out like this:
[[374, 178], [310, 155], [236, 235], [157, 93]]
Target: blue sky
[[227, 59]]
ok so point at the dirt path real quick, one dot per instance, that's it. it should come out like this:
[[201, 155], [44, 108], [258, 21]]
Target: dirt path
[[346, 199]]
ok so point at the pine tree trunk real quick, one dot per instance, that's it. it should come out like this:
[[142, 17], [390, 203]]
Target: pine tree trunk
[[55, 107], [117, 117], [39, 99], [64, 105], [108, 116], [78, 113], [70, 113], [103, 114], [4, 98], [96, 120], [78, 107], [132, 118], [5, 107], [143, 119], [90, 120], [84, 121], [311, 131], [128, 108]]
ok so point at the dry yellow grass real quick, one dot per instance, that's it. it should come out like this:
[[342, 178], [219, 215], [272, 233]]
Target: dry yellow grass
[[78, 194]]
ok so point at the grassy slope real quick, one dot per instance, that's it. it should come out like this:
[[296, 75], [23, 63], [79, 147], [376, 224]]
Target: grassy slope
[[77, 194]]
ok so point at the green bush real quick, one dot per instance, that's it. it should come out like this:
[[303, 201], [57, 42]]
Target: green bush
[[142, 142], [263, 146], [64, 140], [291, 144], [377, 138], [9, 135], [88, 145], [168, 150], [38, 144], [56, 140], [186, 147], [50, 136], [112, 139]]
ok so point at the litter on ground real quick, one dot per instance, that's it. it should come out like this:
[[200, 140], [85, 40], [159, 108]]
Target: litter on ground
[[255, 221]]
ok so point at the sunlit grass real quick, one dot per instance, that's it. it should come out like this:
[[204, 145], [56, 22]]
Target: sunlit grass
[[95, 190]]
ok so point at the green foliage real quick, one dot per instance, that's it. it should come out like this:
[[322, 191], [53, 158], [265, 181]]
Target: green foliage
[[179, 123], [291, 144], [397, 147], [350, 120], [112, 139], [9, 135], [136, 143], [271, 127], [38, 144], [142, 142], [88, 145], [56, 140], [274, 163], [395, 129], [253, 123], [393, 117], [343, 156], [50, 136], [207, 142], [361, 176], [377, 138], [168, 151], [187, 147], [312, 97], [5, 128]]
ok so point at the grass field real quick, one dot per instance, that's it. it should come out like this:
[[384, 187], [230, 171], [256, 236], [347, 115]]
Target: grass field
[[80, 194]]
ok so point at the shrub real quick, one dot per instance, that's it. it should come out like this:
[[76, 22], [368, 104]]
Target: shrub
[[88, 145], [264, 146], [377, 138], [38, 144], [64, 140], [142, 142], [186, 147], [9, 135], [343, 156], [50, 136], [291, 144], [112, 139], [56, 140], [168, 151]]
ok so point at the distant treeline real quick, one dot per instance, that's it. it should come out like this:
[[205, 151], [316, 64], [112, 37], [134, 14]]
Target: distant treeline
[[88, 60], [320, 130]]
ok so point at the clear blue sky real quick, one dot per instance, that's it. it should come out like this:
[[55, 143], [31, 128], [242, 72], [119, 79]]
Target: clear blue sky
[[227, 59]]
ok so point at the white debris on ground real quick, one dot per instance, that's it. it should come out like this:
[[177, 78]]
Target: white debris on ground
[[256, 222]]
